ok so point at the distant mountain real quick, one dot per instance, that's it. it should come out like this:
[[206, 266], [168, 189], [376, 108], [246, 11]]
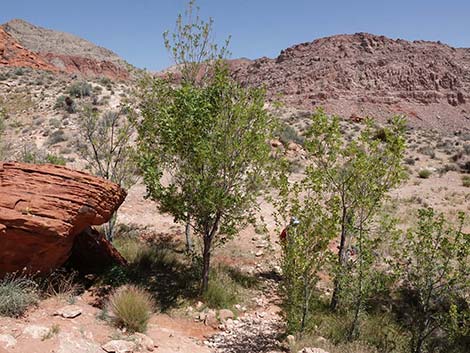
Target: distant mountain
[[66, 52], [365, 74]]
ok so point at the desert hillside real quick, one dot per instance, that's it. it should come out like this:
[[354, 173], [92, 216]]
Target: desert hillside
[[62, 51], [370, 75]]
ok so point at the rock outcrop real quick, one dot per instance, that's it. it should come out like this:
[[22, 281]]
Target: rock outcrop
[[13, 54], [369, 75], [44, 209], [58, 51]]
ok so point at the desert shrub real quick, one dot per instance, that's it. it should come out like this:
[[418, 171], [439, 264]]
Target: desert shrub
[[466, 181], [222, 291], [61, 283], [131, 307], [427, 151], [80, 89], [3, 77], [18, 71], [17, 294], [424, 173], [466, 149], [56, 137], [287, 133], [129, 247], [66, 103], [410, 161], [55, 159]]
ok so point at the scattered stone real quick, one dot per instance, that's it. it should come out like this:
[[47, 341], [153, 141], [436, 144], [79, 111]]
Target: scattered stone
[[290, 340], [143, 341], [35, 331], [69, 312], [7, 341], [225, 314], [211, 319], [259, 253], [70, 344], [119, 346], [312, 350]]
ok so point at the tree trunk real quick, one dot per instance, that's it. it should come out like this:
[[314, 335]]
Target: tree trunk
[[206, 257], [342, 260], [109, 227], [189, 244]]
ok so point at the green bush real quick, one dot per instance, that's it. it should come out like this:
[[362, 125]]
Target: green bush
[[222, 292], [424, 173], [55, 159], [16, 295], [66, 103], [80, 89], [131, 308], [466, 181], [56, 137], [287, 133]]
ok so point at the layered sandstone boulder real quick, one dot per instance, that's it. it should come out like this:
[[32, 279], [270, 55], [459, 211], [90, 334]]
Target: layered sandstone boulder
[[45, 209]]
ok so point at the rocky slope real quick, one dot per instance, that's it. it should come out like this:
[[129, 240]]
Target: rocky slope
[[64, 51], [13, 54], [365, 74]]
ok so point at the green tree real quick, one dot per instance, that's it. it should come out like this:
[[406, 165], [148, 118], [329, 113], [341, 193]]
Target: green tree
[[358, 174], [432, 261], [105, 143], [194, 53], [204, 152], [345, 184], [192, 47], [305, 251]]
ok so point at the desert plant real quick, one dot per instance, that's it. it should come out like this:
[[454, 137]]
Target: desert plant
[[424, 173], [56, 137], [17, 294], [192, 47], [287, 133], [105, 144], [131, 307], [222, 291], [80, 89], [212, 141], [66, 103], [342, 192], [432, 263], [466, 181]]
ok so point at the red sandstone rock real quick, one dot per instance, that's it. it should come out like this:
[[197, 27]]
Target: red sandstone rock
[[43, 208], [86, 66], [13, 54]]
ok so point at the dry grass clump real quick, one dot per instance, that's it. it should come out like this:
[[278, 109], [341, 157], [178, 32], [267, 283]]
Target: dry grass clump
[[424, 173], [131, 308], [17, 294]]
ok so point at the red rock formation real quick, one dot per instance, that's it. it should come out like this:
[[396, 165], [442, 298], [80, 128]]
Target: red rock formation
[[43, 208], [369, 75], [13, 54], [86, 66]]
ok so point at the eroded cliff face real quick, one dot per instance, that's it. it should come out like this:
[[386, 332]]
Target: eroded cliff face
[[14, 54], [365, 74], [27, 45]]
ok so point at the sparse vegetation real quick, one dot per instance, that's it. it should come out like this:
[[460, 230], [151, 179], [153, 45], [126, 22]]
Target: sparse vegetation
[[466, 181], [17, 294], [424, 173], [80, 89], [131, 307]]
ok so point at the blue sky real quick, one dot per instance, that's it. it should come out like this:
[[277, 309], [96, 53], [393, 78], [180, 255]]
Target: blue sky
[[133, 28]]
